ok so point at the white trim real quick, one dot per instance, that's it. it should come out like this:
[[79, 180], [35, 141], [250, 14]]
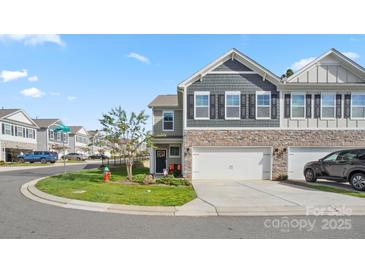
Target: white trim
[[163, 120], [25, 114], [185, 111], [262, 92], [226, 105], [355, 93], [174, 156], [231, 54], [302, 93], [232, 72], [330, 93], [198, 93], [317, 60]]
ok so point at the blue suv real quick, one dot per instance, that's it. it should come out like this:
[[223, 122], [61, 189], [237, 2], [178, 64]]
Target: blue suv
[[39, 156]]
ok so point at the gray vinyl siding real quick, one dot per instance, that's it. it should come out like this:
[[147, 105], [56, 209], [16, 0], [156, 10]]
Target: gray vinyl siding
[[232, 65], [178, 122], [247, 84], [71, 140], [42, 137]]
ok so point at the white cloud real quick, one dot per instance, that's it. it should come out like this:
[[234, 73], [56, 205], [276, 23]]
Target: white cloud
[[139, 57], [33, 39], [32, 92], [301, 63], [33, 78], [351, 55], [7, 75], [71, 98], [52, 93]]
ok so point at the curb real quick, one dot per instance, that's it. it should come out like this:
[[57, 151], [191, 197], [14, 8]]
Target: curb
[[195, 208]]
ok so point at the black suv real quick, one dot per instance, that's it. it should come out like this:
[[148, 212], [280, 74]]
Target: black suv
[[341, 166]]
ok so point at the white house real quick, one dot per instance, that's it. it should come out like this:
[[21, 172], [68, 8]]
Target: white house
[[18, 133], [79, 140]]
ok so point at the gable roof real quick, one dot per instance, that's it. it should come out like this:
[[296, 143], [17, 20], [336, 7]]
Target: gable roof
[[239, 56], [164, 101], [74, 129], [343, 58], [6, 112], [45, 123]]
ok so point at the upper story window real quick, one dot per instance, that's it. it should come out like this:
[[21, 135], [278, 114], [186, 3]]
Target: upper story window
[[232, 105], [297, 105], [12, 130], [30, 133], [58, 136], [358, 106], [263, 105], [7, 129], [51, 134], [328, 105], [201, 105], [168, 120]]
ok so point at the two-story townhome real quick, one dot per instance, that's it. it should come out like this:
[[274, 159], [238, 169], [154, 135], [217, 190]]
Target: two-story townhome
[[48, 139], [18, 134], [241, 121], [96, 146], [167, 131], [79, 140]]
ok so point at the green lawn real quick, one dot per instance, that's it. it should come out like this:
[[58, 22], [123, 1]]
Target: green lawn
[[337, 190], [88, 185]]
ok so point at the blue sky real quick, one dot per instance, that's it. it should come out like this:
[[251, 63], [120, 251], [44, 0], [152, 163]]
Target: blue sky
[[78, 77]]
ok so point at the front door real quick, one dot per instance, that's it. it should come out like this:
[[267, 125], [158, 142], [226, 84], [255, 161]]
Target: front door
[[160, 160]]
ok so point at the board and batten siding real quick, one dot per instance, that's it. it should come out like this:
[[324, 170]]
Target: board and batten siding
[[157, 122], [218, 84], [321, 123]]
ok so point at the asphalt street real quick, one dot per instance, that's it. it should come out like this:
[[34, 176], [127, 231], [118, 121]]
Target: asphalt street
[[24, 218]]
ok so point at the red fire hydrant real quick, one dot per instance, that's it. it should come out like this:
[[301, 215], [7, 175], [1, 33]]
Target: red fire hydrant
[[107, 174]]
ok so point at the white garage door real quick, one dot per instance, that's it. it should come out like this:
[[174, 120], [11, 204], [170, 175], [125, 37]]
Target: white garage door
[[231, 163], [299, 156]]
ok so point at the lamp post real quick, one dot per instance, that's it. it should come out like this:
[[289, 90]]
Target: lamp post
[[63, 129]]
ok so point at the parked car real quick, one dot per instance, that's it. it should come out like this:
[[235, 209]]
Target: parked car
[[75, 157], [98, 157], [38, 156], [341, 166]]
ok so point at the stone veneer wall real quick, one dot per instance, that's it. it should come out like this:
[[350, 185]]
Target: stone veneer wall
[[280, 140]]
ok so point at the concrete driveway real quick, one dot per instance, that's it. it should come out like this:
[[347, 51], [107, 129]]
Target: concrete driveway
[[230, 196]]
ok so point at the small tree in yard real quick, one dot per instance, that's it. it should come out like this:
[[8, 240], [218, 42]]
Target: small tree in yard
[[126, 134]]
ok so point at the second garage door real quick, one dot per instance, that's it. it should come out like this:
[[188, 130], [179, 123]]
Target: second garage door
[[231, 163], [299, 156]]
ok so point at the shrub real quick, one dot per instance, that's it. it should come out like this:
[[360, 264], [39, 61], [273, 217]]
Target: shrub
[[171, 180], [139, 178], [149, 179], [281, 177]]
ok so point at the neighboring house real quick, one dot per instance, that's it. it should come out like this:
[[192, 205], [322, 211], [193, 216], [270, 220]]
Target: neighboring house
[[234, 119], [18, 134], [95, 136], [48, 139], [79, 140]]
